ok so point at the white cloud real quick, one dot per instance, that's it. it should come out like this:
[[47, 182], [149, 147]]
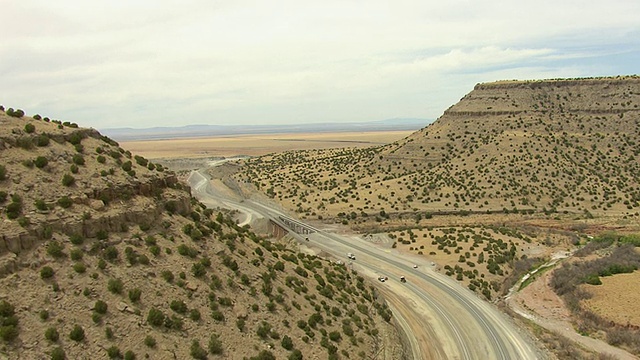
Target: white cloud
[[145, 63]]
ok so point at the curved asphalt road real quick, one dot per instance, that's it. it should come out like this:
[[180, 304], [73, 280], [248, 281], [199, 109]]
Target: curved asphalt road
[[464, 326]]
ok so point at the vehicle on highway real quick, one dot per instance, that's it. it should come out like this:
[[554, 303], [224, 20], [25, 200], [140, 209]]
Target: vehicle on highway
[[415, 266], [402, 279], [351, 256], [382, 278]]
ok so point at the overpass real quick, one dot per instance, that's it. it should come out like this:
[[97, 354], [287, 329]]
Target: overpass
[[281, 225]]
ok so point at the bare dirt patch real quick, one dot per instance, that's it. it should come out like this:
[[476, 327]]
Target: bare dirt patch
[[621, 308]]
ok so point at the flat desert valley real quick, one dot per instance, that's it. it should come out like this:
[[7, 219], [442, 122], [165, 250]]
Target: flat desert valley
[[255, 145]]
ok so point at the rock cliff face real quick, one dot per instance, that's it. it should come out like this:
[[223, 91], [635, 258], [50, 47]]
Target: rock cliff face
[[62, 179]]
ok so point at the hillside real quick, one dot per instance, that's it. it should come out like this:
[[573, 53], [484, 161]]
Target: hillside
[[514, 175], [104, 254], [558, 146]]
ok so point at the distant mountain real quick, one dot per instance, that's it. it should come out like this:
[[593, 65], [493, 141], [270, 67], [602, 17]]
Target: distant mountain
[[124, 134]]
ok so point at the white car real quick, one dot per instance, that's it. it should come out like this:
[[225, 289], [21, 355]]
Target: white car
[[415, 266]]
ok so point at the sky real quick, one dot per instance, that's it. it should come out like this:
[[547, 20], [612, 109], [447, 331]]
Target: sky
[[139, 63]]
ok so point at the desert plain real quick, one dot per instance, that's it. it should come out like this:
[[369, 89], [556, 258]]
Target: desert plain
[[258, 144]]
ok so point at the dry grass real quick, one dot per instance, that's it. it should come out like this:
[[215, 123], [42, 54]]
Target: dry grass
[[621, 308]]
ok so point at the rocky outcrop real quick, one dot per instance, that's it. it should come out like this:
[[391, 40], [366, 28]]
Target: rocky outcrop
[[108, 191]]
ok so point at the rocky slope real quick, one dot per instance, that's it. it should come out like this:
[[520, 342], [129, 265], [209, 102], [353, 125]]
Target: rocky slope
[[105, 255], [555, 146]]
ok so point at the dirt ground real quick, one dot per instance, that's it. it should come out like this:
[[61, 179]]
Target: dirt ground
[[623, 308], [255, 145], [540, 304]]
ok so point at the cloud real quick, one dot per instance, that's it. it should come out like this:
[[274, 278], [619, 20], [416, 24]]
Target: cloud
[[145, 63]]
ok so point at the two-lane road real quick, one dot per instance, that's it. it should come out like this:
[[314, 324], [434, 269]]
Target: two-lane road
[[442, 319]]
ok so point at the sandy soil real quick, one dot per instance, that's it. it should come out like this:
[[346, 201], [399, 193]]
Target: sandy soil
[[540, 304], [622, 308], [254, 145]]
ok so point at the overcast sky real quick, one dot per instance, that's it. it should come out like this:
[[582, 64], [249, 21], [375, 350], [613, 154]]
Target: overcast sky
[[140, 63]]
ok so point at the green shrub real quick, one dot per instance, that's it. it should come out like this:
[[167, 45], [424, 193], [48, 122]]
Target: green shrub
[[76, 254], [8, 321], [100, 307], [55, 249], [198, 270], [42, 140], [178, 306], [65, 202], [102, 235], [41, 205], [150, 341], [44, 315], [75, 138], [196, 351], [76, 239], [51, 334], [194, 315], [140, 160], [78, 159], [126, 166], [58, 354], [29, 128], [68, 180], [46, 272], [15, 113], [129, 355], [167, 275], [102, 264], [25, 142], [3, 172], [296, 355], [41, 161], [134, 295], [108, 333], [8, 332], [114, 353], [115, 286], [155, 317], [215, 345], [264, 355], [74, 168], [111, 253], [97, 318], [335, 336], [14, 209], [77, 333], [154, 250], [101, 159], [217, 315], [23, 221], [287, 343]]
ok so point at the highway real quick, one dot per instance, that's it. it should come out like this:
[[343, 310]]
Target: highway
[[441, 319]]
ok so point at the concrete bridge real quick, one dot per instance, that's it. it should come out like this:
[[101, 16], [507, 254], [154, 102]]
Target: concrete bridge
[[281, 225]]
